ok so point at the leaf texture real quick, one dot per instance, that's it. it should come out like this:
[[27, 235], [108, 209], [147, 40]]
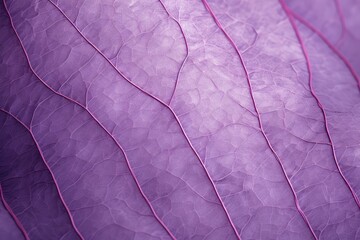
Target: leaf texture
[[178, 119]]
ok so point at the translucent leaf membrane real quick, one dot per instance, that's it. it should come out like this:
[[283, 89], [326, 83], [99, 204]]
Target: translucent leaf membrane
[[179, 119], [8, 228], [337, 22], [91, 135], [292, 119], [146, 45], [27, 186], [341, 116]]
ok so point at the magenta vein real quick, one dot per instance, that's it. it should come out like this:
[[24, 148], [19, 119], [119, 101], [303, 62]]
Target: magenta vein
[[33, 137], [289, 15], [207, 6], [342, 20], [329, 44], [95, 119], [47, 165], [13, 215], [187, 50], [161, 102]]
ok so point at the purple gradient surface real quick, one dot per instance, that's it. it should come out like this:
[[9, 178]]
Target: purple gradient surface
[[179, 119]]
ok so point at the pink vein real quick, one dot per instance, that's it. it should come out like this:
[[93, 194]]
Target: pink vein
[[258, 115], [46, 164], [95, 119], [289, 15], [342, 20], [187, 51], [161, 102], [13, 215], [329, 44]]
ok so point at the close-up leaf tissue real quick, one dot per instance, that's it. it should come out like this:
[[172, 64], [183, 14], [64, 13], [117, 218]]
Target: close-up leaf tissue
[[180, 120]]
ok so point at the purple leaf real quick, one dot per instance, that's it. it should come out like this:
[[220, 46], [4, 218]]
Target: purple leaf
[[164, 119]]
